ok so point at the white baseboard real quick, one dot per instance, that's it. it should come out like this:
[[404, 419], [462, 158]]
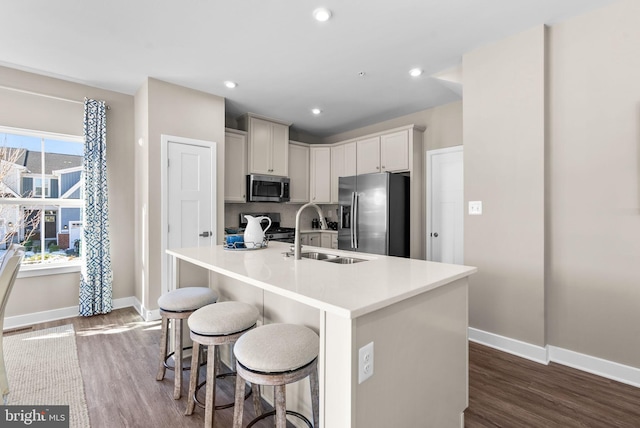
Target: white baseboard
[[587, 363], [594, 365], [57, 314], [512, 346]]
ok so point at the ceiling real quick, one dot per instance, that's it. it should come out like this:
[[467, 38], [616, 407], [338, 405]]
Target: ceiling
[[284, 62]]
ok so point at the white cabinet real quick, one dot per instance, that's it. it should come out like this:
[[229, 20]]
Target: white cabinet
[[268, 145], [368, 155], [298, 172], [313, 239], [325, 240], [235, 165], [387, 152], [320, 239], [320, 176], [394, 151], [343, 164]]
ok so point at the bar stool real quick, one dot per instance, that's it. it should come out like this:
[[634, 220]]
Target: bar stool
[[214, 325], [175, 306], [277, 355]]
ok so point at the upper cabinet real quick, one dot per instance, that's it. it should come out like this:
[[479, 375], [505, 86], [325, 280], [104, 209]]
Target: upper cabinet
[[268, 145], [235, 165], [343, 164], [320, 176], [368, 155], [394, 151], [384, 153], [299, 172]]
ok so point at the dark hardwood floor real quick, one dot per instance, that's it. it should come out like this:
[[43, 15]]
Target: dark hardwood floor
[[508, 391], [118, 355]]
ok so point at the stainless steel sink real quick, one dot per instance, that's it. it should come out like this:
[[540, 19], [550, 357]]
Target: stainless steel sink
[[319, 256], [332, 258], [346, 260]]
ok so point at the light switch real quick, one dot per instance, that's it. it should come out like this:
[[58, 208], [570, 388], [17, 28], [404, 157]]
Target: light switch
[[475, 207]]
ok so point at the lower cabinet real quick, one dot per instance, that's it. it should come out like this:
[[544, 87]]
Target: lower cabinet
[[320, 239]]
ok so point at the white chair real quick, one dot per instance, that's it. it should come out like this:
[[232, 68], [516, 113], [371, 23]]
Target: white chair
[[9, 270], [10, 251]]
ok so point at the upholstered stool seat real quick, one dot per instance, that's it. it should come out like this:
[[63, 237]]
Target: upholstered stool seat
[[214, 325], [177, 305], [276, 355]]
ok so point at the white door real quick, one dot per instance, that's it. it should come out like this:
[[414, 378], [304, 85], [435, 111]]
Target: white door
[[190, 196], [445, 205]]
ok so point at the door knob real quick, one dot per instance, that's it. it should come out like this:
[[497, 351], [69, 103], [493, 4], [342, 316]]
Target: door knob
[[435, 235], [205, 234]]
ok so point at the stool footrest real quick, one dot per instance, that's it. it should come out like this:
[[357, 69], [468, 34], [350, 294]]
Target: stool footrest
[[273, 412], [220, 406], [184, 368]]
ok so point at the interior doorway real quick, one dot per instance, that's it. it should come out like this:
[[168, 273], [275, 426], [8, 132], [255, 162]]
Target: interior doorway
[[189, 198], [445, 205]]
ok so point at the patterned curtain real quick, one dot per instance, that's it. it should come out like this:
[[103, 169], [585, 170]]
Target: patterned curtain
[[96, 275]]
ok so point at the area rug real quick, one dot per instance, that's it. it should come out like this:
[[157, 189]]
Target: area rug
[[43, 369]]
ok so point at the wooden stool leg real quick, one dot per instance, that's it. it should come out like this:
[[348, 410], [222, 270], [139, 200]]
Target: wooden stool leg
[[281, 406], [257, 399], [193, 378], [210, 403], [177, 387], [163, 347], [238, 408], [315, 405]]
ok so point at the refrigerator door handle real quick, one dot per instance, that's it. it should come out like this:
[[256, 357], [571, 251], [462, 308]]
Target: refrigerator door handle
[[355, 221], [353, 198]]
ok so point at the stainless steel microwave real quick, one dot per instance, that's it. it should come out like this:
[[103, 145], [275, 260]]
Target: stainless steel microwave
[[267, 188]]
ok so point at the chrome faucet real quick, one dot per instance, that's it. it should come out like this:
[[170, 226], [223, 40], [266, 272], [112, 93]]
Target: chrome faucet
[[296, 243]]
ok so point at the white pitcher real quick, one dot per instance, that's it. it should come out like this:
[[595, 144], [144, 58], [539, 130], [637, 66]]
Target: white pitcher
[[253, 233]]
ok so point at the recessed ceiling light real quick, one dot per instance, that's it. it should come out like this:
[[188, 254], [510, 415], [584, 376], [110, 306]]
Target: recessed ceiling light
[[415, 72], [229, 84], [316, 111], [322, 14]]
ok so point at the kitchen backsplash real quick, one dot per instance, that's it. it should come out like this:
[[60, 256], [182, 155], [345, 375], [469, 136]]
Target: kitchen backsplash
[[287, 213]]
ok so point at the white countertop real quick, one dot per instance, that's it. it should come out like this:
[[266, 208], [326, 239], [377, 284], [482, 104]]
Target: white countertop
[[349, 290]]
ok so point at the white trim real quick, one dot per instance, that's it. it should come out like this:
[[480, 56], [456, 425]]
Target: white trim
[[71, 190], [512, 346], [42, 269], [427, 177], [166, 270], [57, 314], [600, 367], [42, 134], [57, 172], [594, 365]]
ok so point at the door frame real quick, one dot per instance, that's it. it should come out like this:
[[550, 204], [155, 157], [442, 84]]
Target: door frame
[[167, 277], [428, 159]]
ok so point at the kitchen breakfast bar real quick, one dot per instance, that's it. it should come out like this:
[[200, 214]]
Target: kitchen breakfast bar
[[414, 312]]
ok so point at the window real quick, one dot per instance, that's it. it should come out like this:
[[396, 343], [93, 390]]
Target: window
[[41, 195], [42, 187]]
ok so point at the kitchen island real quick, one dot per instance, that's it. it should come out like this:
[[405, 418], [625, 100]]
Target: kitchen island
[[415, 312]]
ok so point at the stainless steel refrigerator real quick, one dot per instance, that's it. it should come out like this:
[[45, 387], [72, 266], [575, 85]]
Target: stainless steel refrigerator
[[374, 214]]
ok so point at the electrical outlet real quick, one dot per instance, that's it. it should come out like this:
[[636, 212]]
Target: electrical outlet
[[365, 362], [475, 207]]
